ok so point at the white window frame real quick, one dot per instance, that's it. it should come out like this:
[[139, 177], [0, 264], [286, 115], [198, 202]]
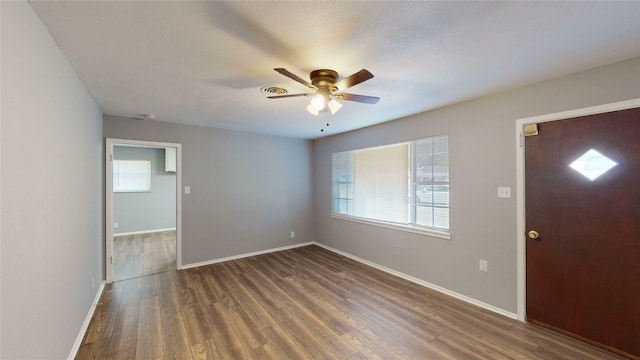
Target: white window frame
[[411, 225]]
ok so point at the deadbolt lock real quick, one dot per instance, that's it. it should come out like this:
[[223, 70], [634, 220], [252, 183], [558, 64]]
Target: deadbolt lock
[[533, 234]]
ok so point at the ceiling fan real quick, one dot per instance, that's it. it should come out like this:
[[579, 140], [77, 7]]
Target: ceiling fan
[[327, 89]]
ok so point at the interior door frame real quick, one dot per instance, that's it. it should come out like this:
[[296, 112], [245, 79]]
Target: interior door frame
[[110, 143], [520, 176]]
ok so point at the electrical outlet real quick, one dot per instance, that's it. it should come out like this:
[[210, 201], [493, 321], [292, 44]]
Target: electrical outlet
[[115, 225], [484, 265], [504, 192], [293, 234]]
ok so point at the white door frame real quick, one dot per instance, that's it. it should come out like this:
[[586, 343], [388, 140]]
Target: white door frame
[[110, 143], [520, 205]]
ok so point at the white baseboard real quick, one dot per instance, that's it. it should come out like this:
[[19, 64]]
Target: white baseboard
[[143, 232], [235, 257], [85, 324], [429, 285]]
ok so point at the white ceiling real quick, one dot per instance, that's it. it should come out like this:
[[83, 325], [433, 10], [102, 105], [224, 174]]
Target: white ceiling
[[204, 63]]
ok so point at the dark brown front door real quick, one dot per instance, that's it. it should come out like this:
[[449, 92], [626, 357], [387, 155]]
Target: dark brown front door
[[583, 271]]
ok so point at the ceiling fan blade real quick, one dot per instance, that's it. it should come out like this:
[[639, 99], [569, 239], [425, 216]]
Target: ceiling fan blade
[[359, 98], [355, 79], [287, 96], [295, 77]]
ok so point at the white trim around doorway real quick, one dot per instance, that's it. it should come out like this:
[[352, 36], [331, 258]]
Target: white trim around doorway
[[110, 143], [520, 205]]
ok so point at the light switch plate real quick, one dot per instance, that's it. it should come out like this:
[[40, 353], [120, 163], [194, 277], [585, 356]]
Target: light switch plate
[[187, 190], [504, 192], [484, 265]]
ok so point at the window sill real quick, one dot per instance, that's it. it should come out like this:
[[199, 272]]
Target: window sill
[[388, 225]]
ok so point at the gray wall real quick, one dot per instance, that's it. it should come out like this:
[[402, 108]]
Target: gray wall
[[482, 157], [52, 242], [248, 191], [146, 211]]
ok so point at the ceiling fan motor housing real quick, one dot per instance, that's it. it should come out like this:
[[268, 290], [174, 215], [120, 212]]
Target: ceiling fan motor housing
[[324, 78]]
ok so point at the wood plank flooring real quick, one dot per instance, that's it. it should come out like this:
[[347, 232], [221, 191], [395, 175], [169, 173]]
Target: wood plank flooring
[[305, 303], [143, 254]]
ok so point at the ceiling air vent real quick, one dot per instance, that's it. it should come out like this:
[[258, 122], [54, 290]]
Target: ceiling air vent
[[273, 90]]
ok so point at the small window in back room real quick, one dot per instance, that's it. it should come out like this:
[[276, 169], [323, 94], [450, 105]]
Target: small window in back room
[[131, 176]]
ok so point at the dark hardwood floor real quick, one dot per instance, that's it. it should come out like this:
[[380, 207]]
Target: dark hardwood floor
[[305, 303], [143, 254]]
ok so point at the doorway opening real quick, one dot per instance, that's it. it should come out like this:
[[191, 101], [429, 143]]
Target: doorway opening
[[143, 208]]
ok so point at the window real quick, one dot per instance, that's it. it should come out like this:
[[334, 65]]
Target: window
[[343, 183], [131, 176], [404, 184]]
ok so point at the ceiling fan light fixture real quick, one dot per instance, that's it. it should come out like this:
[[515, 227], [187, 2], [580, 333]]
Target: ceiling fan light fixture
[[319, 102], [334, 106], [312, 110]]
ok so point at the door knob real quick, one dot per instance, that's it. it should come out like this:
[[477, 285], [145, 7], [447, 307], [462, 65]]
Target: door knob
[[533, 234]]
